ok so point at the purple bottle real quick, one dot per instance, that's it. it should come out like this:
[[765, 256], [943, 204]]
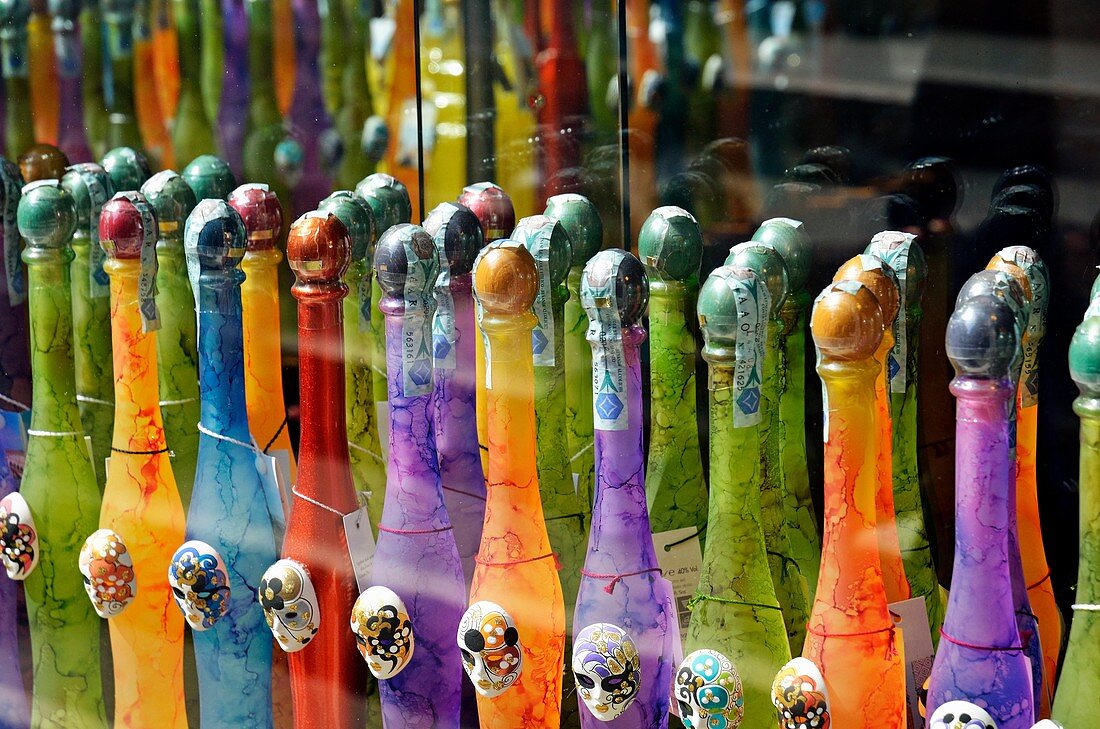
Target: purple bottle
[[980, 657], [416, 556], [71, 138], [308, 118], [235, 89], [623, 624]]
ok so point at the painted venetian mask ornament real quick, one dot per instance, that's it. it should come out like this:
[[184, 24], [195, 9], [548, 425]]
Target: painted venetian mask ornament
[[708, 692], [18, 537], [290, 604], [799, 696], [1047, 724], [960, 715], [607, 668], [383, 631], [491, 652], [200, 584], [108, 572]]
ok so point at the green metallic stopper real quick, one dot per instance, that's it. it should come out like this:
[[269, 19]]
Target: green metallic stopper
[[670, 244], [716, 308], [790, 239], [531, 230], [768, 265], [210, 177], [1084, 357], [357, 217], [46, 215], [127, 168], [172, 200], [388, 199], [76, 182], [581, 221]]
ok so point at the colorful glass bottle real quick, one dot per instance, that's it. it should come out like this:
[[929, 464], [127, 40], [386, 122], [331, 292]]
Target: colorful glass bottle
[[328, 676], [140, 502], [95, 103], [122, 126], [127, 168], [14, 50], [45, 95], [443, 96], [177, 357], [212, 65], [209, 177], [71, 138], [264, 128], [192, 134], [357, 104], [307, 111], [561, 79], [58, 482], [147, 106]]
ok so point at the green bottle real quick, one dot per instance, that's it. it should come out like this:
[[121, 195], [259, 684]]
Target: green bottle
[[356, 107], [582, 222], [703, 53], [334, 54], [90, 188], [736, 611], [209, 177], [790, 239], [95, 104], [601, 52], [670, 245], [268, 158], [58, 484], [18, 123], [193, 134], [212, 65], [790, 583], [177, 357], [1080, 677], [127, 168], [122, 128]]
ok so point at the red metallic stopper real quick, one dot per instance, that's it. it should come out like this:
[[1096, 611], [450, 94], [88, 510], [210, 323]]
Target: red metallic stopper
[[318, 248], [121, 232], [493, 209], [262, 213], [43, 162]]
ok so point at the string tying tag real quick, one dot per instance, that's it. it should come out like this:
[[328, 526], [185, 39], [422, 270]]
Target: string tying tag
[[614, 580], [136, 453], [413, 532], [21, 407], [701, 598], [974, 646]]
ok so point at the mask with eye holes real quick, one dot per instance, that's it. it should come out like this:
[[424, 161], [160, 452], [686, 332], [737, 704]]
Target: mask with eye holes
[[960, 715], [607, 668], [492, 655], [708, 691]]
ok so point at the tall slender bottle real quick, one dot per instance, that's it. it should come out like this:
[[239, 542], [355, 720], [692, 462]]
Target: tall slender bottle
[[443, 94], [95, 103], [307, 111], [127, 167], [357, 106], [58, 481], [212, 65], [209, 176], [328, 676], [736, 612], [790, 239], [147, 107], [262, 213], [622, 589], [1080, 673], [18, 121], [790, 583], [177, 356], [873, 273], [45, 100], [670, 245], [232, 106], [141, 503], [582, 222], [516, 568], [192, 134], [458, 239], [264, 129], [980, 656], [122, 127], [851, 635], [229, 509], [561, 80], [90, 189], [71, 137]]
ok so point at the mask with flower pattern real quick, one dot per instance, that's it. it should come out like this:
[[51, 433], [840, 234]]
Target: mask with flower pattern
[[800, 698], [708, 691], [200, 584], [607, 669], [491, 652], [108, 572], [383, 631], [960, 715], [18, 537], [290, 604]]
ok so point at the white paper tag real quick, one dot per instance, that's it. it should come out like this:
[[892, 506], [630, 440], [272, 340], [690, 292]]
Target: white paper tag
[[911, 618], [536, 233], [681, 558], [268, 469], [443, 322], [14, 54], [13, 264], [893, 248], [147, 279], [107, 467], [282, 472], [416, 337], [364, 297], [360, 546], [609, 400], [479, 312]]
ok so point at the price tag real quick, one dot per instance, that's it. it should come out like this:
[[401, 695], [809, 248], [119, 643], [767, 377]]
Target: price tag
[[282, 472], [361, 545], [911, 618], [268, 469], [681, 557]]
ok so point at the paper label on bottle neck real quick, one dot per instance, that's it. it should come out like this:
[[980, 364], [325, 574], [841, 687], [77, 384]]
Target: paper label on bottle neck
[[610, 409], [364, 297], [753, 305], [99, 284], [542, 336], [1033, 266], [13, 56], [416, 350], [361, 546], [680, 556], [13, 266], [443, 323], [824, 388], [893, 248], [147, 277]]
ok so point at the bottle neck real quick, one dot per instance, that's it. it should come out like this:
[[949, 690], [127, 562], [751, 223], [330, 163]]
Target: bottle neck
[[262, 340], [263, 106], [187, 15], [120, 53], [53, 376], [221, 355], [1088, 579], [673, 346], [14, 49]]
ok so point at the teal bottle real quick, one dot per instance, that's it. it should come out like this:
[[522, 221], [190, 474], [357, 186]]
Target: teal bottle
[[209, 177], [193, 134], [122, 127]]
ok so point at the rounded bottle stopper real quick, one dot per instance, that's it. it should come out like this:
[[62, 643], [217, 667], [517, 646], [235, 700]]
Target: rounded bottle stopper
[[896, 211], [1035, 175], [670, 244], [357, 217], [493, 209], [694, 191], [209, 177], [835, 157], [877, 276], [214, 236], [628, 292], [122, 226], [1028, 261], [716, 306], [1084, 357], [934, 183], [1011, 225], [813, 173], [790, 239], [318, 248], [43, 162], [172, 199], [388, 199], [847, 322], [901, 252], [457, 235], [90, 187], [981, 338], [1004, 286], [1008, 265], [403, 249], [791, 199], [539, 231], [1027, 196], [581, 221], [506, 280], [768, 265], [127, 168], [262, 213], [46, 215]]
